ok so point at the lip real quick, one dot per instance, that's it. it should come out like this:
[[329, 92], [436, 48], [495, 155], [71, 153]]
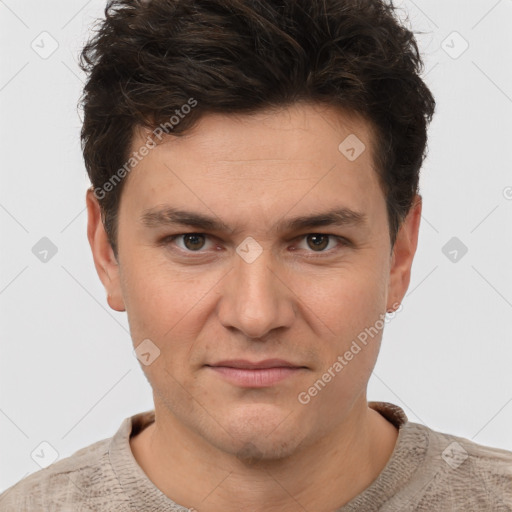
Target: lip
[[252, 365], [255, 374]]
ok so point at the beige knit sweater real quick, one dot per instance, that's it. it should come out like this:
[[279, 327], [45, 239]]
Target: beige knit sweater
[[428, 471]]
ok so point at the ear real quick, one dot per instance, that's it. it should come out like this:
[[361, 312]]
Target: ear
[[403, 255], [105, 262]]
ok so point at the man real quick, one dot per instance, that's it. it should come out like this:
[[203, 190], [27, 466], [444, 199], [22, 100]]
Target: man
[[254, 209]]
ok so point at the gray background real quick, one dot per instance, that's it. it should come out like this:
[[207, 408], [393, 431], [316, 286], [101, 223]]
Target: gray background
[[67, 373]]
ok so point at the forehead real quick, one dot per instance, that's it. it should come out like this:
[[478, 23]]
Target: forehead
[[302, 131], [302, 155]]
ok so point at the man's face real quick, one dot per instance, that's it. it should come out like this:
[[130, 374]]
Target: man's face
[[296, 292]]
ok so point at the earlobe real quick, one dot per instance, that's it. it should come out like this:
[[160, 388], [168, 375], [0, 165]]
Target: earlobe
[[395, 305], [403, 255], [105, 261], [116, 303]]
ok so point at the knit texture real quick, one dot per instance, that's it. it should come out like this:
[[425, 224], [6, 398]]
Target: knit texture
[[428, 471]]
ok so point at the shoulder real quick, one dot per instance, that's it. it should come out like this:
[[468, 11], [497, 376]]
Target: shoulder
[[75, 479], [459, 452], [463, 472]]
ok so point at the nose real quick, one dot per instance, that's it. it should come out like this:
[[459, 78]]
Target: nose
[[255, 299]]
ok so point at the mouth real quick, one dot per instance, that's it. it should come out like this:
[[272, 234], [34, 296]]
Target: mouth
[[256, 374]]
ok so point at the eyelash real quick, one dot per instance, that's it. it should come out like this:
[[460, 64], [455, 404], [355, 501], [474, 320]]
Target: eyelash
[[343, 242]]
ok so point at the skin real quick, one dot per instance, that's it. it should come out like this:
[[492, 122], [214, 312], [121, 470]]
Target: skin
[[216, 445]]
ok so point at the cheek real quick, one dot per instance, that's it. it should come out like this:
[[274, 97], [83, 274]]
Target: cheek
[[165, 308], [343, 301], [166, 304], [352, 309]]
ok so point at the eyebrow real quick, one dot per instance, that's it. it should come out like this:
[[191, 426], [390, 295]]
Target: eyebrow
[[169, 216]]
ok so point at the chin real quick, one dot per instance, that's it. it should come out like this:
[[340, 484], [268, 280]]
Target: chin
[[264, 451], [262, 434]]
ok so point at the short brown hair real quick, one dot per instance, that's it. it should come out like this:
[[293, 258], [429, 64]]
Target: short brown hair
[[150, 58]]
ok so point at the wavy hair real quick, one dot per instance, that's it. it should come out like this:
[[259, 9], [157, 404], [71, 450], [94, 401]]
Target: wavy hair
[[148, 58]]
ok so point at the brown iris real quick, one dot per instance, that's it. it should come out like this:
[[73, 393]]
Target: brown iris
[[319, 242], [193, 241]]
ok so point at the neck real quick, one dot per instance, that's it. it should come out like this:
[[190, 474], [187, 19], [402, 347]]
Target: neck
[[322, 476]]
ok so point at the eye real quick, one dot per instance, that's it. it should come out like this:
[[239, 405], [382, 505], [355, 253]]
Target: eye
[[318, 242], [190, 242], [200, 243]]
